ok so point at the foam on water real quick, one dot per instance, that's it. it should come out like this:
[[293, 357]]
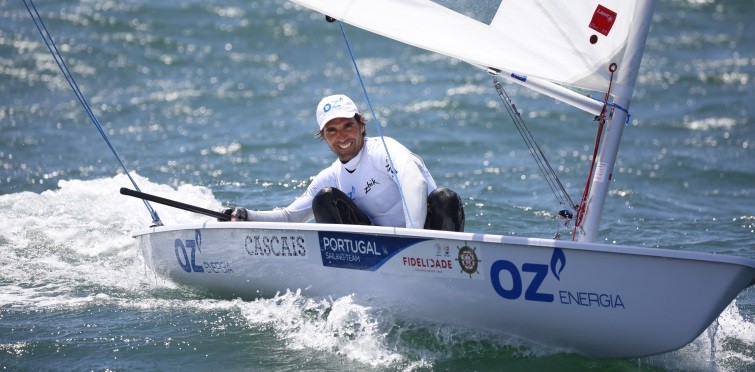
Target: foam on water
[[335, 325], [371, 334], [75, 241]]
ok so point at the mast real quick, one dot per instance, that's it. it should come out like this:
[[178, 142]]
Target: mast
[[626, 74]]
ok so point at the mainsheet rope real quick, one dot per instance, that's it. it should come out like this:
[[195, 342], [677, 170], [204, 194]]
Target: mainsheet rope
[[47, 37], [377, 122]]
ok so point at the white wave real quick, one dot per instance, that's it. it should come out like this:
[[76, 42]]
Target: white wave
[[338, 326], [69, 244], [374, 335]]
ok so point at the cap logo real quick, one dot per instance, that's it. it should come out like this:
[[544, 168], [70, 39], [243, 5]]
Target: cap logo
[[335, 106]]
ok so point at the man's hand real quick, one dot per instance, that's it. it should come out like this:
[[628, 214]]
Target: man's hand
[[237, 214]]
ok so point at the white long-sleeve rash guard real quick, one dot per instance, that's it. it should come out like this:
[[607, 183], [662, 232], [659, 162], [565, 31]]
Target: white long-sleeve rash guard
[[367, 180]]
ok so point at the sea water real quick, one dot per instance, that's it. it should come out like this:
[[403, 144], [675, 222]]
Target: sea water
[[212, 103]]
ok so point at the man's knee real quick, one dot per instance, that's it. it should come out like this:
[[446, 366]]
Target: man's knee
[[332, 205], [326, 197], [445, 210]]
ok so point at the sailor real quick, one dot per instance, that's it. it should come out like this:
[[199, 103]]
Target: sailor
[[359, 187]]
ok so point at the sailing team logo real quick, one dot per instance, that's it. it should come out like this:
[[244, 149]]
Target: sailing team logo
[[468, 260]]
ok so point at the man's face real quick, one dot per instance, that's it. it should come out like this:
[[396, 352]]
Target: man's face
[[344, 137]]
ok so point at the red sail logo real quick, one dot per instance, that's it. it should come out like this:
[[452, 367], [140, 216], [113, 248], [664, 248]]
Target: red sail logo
[[602, 20]]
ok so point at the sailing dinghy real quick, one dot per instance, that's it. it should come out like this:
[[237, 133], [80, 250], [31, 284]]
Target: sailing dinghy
[[594, 299]]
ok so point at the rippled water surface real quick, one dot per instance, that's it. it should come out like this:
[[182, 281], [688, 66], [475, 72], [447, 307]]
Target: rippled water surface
[[211, 103]]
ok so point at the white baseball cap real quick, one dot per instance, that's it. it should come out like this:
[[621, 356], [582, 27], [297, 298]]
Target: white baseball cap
[[335, 106]]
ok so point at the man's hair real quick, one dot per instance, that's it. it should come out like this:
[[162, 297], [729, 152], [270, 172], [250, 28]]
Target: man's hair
[[359, 118]]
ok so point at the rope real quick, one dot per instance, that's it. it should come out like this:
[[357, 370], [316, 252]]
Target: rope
[[37, 18], [558, 189], [377, 123], [615, 106]]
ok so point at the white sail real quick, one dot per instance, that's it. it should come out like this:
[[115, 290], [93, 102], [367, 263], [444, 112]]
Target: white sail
[[565, 42]]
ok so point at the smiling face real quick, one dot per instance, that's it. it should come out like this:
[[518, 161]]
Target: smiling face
[[345, 137]]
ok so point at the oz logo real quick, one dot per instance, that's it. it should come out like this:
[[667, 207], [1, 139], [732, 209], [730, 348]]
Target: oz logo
[[186, 253], [514, 290]]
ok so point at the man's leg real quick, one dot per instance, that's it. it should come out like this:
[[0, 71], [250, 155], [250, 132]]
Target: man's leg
[[331, 205], [445, 211]]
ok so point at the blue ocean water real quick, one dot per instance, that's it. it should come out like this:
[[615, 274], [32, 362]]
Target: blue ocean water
[[211, 103]]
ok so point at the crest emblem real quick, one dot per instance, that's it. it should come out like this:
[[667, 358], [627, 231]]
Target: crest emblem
[[468, 260]]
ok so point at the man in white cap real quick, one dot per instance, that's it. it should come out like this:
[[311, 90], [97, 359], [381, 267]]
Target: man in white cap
[[360, 188]]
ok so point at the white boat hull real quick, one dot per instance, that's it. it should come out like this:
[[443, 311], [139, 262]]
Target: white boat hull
[[594, 299]]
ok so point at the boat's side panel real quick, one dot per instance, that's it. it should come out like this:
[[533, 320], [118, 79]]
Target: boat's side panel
[[599, 303]]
